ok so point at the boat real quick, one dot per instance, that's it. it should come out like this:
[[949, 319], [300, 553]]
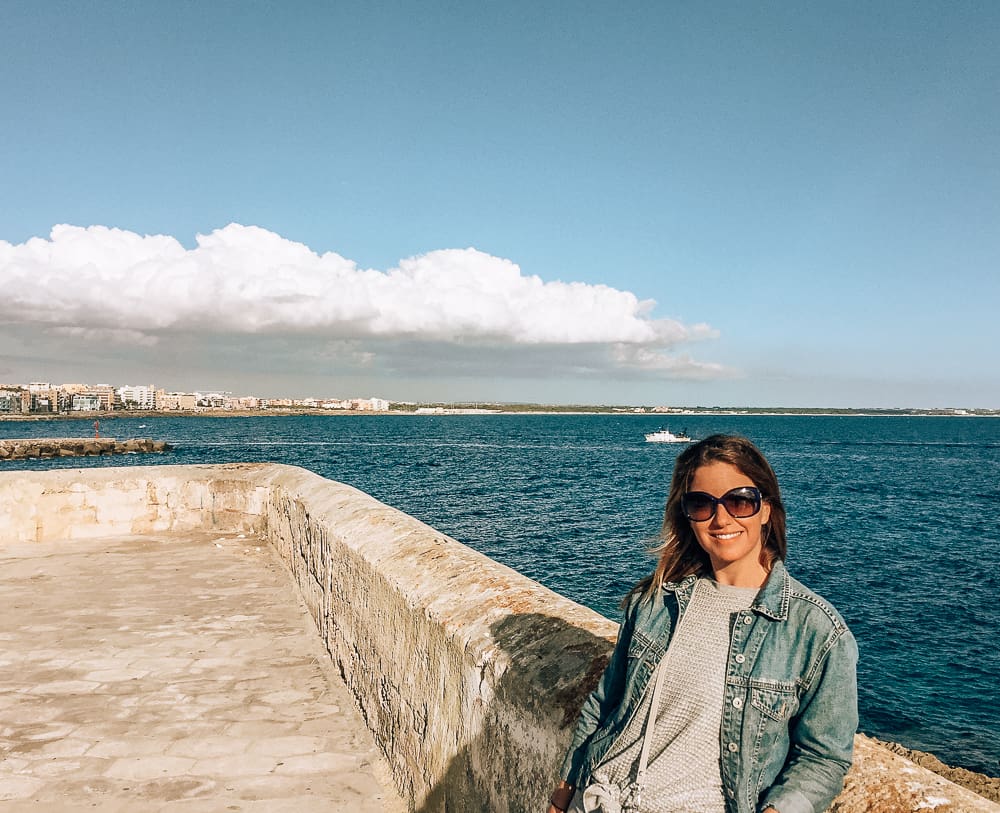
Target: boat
[[666, 436]]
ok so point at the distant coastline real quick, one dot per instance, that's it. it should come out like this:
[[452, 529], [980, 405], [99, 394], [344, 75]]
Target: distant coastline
[[431, 409]]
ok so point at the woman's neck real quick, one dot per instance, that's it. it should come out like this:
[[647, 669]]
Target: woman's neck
[[739, 574]]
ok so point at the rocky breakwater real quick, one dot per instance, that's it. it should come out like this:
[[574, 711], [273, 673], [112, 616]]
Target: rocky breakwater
[[77, 447]]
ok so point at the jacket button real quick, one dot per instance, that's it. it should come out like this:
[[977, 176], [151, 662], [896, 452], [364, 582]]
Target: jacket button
[[733, 747], [747, 619], [738, 702], [740, 658]]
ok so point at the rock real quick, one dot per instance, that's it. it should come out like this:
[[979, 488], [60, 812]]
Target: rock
[[987, 786]]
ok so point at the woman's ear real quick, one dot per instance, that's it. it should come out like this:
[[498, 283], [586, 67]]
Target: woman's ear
[[765, 512]]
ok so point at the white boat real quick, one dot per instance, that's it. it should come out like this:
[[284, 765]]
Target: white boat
[[666, 436]]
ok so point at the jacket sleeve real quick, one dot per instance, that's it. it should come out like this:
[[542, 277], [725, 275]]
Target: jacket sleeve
[[601, 702], [821, 736]]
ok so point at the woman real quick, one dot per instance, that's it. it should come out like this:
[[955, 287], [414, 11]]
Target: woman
[[752, 674]]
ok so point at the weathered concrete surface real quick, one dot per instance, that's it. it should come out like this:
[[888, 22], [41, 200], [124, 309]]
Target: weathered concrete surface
[[174, 672], [77, 447], [467, 673], [86, 503]]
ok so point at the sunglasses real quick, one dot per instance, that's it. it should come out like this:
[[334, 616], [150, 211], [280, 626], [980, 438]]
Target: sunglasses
[[740, 502]]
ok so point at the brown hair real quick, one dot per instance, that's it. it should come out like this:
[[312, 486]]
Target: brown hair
[[680, 553]]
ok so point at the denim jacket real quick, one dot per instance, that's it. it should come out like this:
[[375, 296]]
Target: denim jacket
[[790, 709]]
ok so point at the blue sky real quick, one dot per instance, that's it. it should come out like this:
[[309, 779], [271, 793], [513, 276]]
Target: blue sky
[[809, 192]]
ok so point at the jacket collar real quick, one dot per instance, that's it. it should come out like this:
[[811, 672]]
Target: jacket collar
[[772, 600]]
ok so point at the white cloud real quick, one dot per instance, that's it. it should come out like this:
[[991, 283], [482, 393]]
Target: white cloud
[[112, 285], [107, 334]]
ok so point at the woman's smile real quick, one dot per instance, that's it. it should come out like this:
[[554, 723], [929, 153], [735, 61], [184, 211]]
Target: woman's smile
[[733, 544]]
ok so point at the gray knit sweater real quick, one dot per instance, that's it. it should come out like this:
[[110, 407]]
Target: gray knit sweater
[[684, 772]]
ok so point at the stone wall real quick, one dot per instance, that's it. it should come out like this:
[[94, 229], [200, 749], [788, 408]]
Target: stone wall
[[469, 674], [449, 653]]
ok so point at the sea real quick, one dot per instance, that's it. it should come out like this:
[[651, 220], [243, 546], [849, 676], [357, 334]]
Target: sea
[[895, 520]]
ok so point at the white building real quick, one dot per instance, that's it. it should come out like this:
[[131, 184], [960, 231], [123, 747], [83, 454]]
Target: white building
[[86, 403], [213, 400], [139, 397], [370, 404]]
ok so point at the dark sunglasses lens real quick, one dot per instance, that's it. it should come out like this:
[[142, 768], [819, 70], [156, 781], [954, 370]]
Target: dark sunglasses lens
[[698, 507], [741, 504]]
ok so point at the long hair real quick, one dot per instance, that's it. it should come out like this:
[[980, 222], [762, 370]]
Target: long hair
[[678, 548]]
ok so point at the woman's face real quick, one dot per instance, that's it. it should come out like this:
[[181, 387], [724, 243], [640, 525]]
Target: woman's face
[[733, 545]]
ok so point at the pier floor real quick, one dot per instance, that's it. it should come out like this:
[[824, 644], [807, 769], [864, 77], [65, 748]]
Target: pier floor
[[176, 672]]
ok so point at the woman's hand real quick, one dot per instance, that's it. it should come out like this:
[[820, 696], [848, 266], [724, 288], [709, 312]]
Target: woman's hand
[[561, 797]]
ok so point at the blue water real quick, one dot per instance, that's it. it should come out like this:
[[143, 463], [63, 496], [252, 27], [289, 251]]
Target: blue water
[[895, 520]]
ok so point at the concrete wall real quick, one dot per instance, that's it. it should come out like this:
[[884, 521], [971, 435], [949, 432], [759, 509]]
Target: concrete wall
[[88, 503], [469, 674]]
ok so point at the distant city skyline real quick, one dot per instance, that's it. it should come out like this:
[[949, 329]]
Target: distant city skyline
[[49, 397], [79, 397], [642, 203]]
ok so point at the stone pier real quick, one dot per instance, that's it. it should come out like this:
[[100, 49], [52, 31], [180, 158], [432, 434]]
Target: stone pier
[[468, 675], [27, 448]]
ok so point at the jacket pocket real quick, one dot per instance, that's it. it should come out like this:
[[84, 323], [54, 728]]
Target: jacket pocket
[[772, 705], [775, 700], [643, 654]]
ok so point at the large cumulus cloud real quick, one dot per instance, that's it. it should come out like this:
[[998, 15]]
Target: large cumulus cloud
[[112, 285]]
